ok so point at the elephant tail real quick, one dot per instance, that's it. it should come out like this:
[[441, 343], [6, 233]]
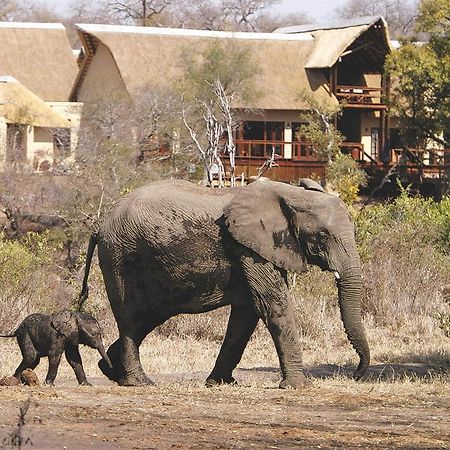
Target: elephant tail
[[85, 288]]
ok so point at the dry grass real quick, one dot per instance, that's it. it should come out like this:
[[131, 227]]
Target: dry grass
[[402, 306], [403, 403], [392, 353]]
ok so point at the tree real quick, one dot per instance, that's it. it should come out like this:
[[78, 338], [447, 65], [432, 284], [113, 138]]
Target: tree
[[200, 14], [225, 15], [399, 14], [222, 73], [269, 22], [230, 15], [139, 12], [217, 116], [246, 13], [119, 148], [421, 98], [8, 10], [36, 12], [342, 172], [319, 129]]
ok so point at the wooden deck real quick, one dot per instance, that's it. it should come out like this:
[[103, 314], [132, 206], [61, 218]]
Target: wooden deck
[[409, 163], [361, 96], [285, 170]]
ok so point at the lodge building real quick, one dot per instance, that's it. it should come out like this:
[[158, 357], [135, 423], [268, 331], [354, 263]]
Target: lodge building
[[335, 64]]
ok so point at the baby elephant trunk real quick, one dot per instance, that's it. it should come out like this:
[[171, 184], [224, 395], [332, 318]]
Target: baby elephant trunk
[[102, 352]]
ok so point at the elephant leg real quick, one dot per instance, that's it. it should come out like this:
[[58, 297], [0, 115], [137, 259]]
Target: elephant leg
[[30, 358], [74, 359], [134, 320], [286, 338], [124, 355], [133, 374], [241, 324], [269, 289], [54, 358]]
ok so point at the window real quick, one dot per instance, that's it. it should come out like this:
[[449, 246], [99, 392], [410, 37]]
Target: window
[[265, 136]]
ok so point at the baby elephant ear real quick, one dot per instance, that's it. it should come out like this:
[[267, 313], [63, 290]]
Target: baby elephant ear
[[259, 218], [65, 323], [310, 185]]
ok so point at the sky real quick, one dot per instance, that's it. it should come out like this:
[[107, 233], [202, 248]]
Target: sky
[[316, 9]]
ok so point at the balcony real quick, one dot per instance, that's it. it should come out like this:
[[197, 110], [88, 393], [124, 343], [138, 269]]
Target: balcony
[[432, 163], [361, 96], [294, 160], [294, 151]]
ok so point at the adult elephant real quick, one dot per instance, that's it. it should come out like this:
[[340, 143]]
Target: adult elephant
[[173, 247]]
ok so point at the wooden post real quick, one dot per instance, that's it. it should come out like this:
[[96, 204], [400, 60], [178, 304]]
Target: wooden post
[[387, 96]]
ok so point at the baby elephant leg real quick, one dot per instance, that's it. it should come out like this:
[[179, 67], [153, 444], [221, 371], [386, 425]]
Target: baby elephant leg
[[54, 358], [30, 358], [74, 359]]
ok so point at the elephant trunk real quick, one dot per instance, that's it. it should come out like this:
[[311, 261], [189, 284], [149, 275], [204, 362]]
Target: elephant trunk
[[102, 352], [350, 295]]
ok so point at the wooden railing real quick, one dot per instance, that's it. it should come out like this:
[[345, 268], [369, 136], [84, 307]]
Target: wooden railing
[[259, 149], [360, 95], [428, 160], [287, 170], [299, 150], [304, 162]]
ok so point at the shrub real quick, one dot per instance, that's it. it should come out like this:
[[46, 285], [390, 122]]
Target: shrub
[[26, 282], [404, 247], [346, 177]]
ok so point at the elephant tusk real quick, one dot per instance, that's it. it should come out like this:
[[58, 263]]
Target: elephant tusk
[[337, 276]]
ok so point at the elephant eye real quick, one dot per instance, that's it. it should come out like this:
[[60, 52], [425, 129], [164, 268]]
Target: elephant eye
[[323, 236]]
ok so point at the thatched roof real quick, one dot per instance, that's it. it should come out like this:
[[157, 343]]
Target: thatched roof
[[40, 57], [155, 56], [20, 105], [335, 40]]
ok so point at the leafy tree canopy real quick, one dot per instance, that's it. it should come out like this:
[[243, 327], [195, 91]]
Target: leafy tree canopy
[[421, 97], [228, 62]]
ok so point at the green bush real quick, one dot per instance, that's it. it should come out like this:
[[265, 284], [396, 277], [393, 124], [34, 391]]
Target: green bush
[[405, 251], [26, 282], [346, 177]]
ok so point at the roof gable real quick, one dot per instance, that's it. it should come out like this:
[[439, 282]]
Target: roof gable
[[338, 39]]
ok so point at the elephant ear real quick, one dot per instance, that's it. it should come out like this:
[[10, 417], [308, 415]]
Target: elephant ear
[[258, 217], [310, 185], [65, 323]]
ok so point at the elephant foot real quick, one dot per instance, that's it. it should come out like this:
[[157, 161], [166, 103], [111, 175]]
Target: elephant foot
[[85, 383], [298, 381], [142, 380], [358, 374], [217, 381]]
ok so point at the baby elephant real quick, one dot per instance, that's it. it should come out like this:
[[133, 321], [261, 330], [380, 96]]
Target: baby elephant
[[44, 335]]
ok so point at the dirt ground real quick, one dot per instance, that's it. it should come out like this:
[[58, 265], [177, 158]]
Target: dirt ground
[[409, 411]]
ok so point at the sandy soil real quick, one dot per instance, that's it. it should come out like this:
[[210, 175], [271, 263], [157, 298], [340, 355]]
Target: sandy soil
[[179, 412]]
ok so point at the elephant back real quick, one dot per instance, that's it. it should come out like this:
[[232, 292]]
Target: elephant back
[[164, 213]]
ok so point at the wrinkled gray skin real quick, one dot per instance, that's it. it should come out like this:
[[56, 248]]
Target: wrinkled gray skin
[[42, 335], [173, 247]]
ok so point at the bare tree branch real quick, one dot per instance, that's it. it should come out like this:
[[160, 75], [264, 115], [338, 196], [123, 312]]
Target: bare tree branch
[[268, 164]]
